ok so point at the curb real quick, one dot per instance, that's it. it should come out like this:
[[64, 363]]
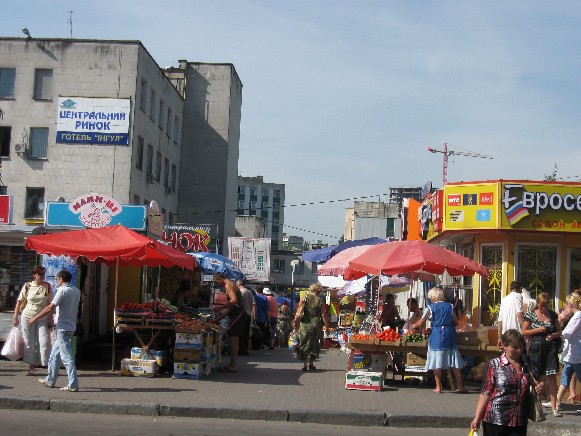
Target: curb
[[350, 418]]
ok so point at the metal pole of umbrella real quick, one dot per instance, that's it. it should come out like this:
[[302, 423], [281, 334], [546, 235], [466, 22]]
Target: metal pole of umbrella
[[294, 264], [114, 307]]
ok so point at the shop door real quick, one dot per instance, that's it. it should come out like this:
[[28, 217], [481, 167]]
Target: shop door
[[574, 270], [536, 269], [491, 288]]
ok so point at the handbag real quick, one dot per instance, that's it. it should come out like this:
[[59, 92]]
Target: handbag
[[25, 300], [300, 313], [535, 408]]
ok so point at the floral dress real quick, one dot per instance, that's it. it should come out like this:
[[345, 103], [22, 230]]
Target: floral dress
[[310, 327], [283, 326]]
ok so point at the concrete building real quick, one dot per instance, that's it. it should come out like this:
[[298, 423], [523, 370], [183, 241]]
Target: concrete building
[[249, 226], [293, 243], [367, 219], [212, 108], [264, 200], [133, 136], [282, 276]]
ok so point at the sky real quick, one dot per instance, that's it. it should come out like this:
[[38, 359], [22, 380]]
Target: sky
[[341, 99]]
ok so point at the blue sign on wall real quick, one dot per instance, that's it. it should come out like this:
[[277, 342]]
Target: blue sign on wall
[[58, 214]]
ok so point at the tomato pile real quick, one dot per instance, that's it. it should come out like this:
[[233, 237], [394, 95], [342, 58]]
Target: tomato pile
[[388, 335], [360, 337], [151, 308]]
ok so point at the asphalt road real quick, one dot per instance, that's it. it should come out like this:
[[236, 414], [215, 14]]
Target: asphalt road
[[28, 422]]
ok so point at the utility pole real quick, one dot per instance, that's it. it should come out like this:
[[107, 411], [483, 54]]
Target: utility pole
[[447, 153]]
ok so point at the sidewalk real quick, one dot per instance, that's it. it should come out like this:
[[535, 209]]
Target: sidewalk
[[268, 386]]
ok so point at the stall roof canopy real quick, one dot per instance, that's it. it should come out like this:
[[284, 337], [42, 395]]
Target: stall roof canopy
[[109, 244], [324, 254]]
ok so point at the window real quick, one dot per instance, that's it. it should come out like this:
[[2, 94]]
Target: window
[[149, 168], [34, 207], [253, 191], [241, 189], [169, 120], [5, 133], [176, 130], [158, 167], [278, 265], [253, 205], [143, 96], [537, 269], [161, 113], [166, 173], [145, 202], [300, 268], [139, 153], [152, 106], [314, 267], [42, 84], [136, 199], [3, 190], [240, 204], [38, 142], [276, 193], [173, 177], [7, 78]]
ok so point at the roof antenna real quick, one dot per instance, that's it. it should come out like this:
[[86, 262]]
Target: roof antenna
[[70, 21]]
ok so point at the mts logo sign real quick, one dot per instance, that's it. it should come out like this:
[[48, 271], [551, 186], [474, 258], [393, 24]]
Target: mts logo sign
[[454, 200]]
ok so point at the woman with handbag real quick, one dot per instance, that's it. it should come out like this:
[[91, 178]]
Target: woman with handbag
[[572, 346], [311, 312], [504, 398], [541, 327], [33, 298]]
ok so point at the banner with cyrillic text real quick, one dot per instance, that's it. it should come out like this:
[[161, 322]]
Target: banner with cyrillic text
[[97, 121]]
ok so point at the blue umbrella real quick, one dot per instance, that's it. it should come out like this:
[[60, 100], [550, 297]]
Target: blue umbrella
[[211, 263], [281, 300], [324, 254]]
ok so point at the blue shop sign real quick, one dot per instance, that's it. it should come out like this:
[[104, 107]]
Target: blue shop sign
[[59, 214]]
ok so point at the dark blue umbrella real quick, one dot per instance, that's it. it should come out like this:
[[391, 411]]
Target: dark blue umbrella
[[324, 254], [211, 263], [281, 300]]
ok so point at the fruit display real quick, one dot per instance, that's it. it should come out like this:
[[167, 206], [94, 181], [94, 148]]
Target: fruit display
[[360, 337], [192, 325]]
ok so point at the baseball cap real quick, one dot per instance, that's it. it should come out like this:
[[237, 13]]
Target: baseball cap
[[266, 291]]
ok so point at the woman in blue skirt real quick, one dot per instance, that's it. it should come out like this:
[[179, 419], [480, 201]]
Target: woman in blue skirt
[[443, 343]]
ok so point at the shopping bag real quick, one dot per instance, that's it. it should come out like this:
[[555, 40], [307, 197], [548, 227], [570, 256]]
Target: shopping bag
[[535, 408], [294, 341], [472, 432], [13, 348]]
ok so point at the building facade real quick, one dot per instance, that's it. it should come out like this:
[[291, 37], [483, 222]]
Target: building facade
[[212, 107], [266, 201]]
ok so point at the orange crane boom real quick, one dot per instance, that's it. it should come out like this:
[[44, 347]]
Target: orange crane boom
[[447, 153]]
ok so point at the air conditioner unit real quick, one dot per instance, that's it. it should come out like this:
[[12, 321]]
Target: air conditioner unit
[[20, 148]]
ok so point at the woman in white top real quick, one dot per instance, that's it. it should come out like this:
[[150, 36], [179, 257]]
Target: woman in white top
[[571, 347], [34, 297]]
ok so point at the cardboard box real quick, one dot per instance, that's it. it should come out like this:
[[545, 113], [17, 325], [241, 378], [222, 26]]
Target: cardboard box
[[139, 367], [468, 338], [413, 360], [378, 362], [159, 356], [188, 340], [206, 354], [364, 380], [190, 371], [360, 360], [192, 355], [207, 338]]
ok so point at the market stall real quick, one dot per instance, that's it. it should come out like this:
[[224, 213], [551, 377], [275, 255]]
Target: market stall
[[413, 258], [115, 245]]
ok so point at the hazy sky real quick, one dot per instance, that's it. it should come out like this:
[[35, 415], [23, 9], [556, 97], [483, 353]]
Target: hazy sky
[[342, 98]]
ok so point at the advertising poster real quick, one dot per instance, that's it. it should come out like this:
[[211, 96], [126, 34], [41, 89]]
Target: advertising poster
[[252, 256], [54, 264], [192, 238], [471, 206]]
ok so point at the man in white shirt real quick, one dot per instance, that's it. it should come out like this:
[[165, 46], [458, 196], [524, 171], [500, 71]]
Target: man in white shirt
[[511, 314]]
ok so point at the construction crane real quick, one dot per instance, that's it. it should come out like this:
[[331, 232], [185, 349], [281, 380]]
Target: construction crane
[[447, 153]]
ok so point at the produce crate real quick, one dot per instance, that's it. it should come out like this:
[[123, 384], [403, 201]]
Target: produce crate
[[423, 343], [188, 340], [362, 341], [414, 360], [192, 371], [384, 342], [191, 355], [364, 380], [159, 356], [139, 367]]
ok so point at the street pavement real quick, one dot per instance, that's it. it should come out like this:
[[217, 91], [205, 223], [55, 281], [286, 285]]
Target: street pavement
[[269, 386]]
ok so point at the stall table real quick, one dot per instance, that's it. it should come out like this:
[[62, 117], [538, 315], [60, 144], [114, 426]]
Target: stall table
[[137, 329], [415, 349]]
